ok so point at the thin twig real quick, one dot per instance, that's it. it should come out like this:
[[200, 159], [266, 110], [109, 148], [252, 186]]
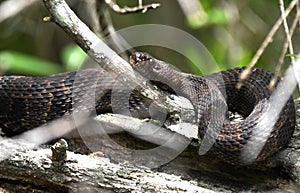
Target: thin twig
[[140, 8], [104, 27], [244, 75], [288, 35], [286, 29], [284, 49], [286, 45]]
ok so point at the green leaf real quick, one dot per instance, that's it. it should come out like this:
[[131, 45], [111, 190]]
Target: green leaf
[[293, 55]]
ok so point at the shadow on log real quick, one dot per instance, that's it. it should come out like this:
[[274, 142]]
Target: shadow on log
[[111, 169]]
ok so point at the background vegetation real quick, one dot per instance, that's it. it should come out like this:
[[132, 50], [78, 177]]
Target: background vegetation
[[232, 32]]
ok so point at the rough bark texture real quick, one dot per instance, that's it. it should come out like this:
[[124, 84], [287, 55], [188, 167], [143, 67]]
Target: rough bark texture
[[110, 169]]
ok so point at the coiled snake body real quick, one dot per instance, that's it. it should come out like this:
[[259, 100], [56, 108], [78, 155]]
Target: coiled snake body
[[27, 102]]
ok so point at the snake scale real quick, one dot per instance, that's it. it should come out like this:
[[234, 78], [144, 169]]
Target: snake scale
[[28, 102]]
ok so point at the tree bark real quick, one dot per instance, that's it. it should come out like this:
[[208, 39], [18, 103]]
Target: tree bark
[[111, 169]]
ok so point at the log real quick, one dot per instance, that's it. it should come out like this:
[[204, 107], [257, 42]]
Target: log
[[113, 168]]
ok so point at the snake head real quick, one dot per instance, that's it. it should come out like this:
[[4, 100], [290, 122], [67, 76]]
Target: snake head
[[148, 66], [141, 62]]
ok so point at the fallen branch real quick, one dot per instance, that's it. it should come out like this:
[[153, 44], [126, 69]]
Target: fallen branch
[[36, 170], [82, 173]]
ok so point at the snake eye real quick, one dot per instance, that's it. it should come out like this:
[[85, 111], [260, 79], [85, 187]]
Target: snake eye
[[140, 56], [145, 57]]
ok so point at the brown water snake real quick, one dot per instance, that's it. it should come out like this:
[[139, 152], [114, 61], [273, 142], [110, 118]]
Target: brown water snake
[[28, 102]]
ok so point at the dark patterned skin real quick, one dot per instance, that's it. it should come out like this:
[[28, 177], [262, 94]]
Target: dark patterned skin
[[28, 102], [211, 92]]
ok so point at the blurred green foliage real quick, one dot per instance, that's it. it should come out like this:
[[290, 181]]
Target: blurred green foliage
[[72, 57], [17, 62], [232, 32]]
